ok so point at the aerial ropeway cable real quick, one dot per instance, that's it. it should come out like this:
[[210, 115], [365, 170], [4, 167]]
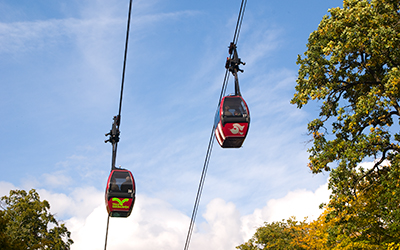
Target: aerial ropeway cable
[[120, 189], [236, 123]]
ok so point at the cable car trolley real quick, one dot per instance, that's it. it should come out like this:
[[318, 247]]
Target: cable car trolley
[[120, 189], [232, 119]]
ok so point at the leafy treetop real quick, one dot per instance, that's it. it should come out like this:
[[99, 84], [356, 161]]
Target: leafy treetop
[[352, 65], [27, 221]]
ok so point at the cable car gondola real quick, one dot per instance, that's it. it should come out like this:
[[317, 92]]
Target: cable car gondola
[[120, 193], [232, 121], [233, 117]]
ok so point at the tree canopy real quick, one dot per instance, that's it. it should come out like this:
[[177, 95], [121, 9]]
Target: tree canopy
[[351, 64], [281, 235], [320, 234], [351, 68], [26, 223]]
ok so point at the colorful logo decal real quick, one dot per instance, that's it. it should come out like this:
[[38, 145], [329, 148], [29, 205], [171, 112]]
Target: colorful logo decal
[[120, 203], [237, 129]]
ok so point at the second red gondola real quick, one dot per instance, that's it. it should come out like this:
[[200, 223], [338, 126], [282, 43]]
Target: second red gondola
[[232, 122], [120, 193]]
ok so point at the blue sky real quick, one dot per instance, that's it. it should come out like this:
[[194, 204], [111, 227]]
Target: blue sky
[[60, 67]]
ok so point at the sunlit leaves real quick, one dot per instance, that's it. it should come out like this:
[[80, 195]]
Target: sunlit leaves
[[282, 235], [29, 222], [352, 65]]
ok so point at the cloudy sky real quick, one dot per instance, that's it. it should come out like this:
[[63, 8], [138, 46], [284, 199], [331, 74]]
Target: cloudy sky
[[60, 76]]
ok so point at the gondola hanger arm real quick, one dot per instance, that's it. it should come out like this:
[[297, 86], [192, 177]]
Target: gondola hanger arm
[[232, 64], [114, 132]]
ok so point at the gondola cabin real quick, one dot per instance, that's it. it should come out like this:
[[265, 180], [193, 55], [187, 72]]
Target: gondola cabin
[[232, 122], [120, 193]]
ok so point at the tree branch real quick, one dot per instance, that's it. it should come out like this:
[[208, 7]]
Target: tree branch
[[376, 166]]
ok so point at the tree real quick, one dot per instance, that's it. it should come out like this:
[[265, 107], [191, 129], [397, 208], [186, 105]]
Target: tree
[[27, 221], [320, 234], [352, 66], [282, 235]]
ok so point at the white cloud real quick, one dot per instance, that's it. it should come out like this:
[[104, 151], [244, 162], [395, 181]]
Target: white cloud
[[5, 188], [299, 203], [370, 164], [57, 179], [222, 229], [79, 203]]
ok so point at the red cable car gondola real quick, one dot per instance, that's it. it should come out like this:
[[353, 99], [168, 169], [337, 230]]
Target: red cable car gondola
[[120, 193], [232, 122], [233, 117]]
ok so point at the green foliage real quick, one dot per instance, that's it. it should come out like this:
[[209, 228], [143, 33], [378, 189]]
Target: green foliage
[[370, 219], [276, 235], [352, 65], [323, 233], [27, 221], [6, 243]]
